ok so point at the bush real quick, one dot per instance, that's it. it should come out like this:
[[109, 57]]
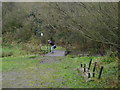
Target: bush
[[6, 54], [111, 54], [107, 59]]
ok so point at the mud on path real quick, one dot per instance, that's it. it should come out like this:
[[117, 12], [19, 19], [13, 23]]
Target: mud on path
[[41, 75]]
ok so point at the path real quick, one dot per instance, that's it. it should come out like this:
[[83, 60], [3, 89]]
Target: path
[[42, 74], [56, 53]]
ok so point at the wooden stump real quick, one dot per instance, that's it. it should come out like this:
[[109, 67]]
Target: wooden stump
[[86, 74]]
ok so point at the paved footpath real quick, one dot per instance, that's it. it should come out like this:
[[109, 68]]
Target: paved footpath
[[56, 53]]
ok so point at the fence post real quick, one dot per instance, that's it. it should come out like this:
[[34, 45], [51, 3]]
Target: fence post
[[93, 74], [94, 69], [88, 75], [100, 72], [90, 64], [84, 67], [81, 65]]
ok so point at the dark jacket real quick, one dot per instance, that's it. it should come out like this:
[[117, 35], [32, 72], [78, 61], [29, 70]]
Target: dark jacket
[[51, 43]]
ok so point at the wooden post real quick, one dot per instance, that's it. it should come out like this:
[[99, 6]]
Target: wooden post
[[81, 65], [84, 67], [88, 75], [93, 74], [100, 72], [90, 64], [94, 69]]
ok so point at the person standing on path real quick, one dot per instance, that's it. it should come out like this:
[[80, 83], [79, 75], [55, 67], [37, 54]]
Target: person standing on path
[[53, 46]]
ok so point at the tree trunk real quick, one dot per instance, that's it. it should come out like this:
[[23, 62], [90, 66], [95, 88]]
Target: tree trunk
[[118, 52], [102, 50]]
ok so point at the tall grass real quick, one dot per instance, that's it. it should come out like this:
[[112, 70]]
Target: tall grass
[[14, 50]]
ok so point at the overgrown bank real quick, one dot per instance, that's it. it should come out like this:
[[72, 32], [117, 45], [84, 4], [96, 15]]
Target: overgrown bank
[[90, 27]]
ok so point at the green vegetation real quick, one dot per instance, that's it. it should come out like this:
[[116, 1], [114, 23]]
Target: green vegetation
[[86, 30], [25, 49], [12, 51], [62, 73], [91, 28], [20, 62], [48, 47]]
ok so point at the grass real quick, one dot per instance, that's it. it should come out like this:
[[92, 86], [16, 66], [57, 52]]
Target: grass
[[13, 51], [61, 74], [17, 63], [64, 73], [19, 50], [45, 47]]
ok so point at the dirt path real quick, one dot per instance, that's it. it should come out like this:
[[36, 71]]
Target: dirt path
[[49, 59], [56, 53], [39, 76]]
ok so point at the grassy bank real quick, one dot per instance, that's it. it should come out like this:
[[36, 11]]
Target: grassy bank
[[25, 49]]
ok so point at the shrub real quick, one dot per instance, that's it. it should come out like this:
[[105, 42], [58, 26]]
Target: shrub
[[111, 54], [107, 59], [6, 54]]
